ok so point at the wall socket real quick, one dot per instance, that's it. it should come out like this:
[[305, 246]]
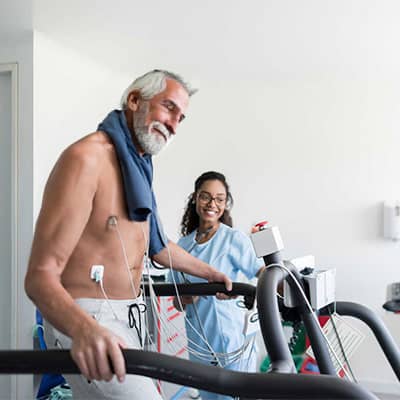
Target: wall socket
[[393, 291]]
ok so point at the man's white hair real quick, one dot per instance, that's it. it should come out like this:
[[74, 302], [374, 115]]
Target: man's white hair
[[152, 83]]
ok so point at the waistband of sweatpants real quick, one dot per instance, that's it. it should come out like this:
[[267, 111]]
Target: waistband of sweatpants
[[104, 306]]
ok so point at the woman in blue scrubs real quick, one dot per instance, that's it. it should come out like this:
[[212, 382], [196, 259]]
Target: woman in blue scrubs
[[208, 235]]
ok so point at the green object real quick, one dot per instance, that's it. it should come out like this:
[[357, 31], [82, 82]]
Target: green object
[[265, 364], [297, 346], [298, 361], [297, 343], [60, 393]]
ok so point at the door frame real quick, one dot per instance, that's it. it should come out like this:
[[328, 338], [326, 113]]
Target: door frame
[[12, 68]]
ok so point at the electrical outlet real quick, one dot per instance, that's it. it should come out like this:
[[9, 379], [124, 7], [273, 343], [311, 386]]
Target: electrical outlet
[[394, 291]]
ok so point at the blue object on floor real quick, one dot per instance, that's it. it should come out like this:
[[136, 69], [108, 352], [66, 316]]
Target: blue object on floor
[[48, 381], [179, 393]]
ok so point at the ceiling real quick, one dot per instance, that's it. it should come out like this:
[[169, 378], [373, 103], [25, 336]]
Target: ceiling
[[221, 37], [215, 38]]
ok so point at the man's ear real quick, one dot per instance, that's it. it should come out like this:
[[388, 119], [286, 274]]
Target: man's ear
[[133, 100]]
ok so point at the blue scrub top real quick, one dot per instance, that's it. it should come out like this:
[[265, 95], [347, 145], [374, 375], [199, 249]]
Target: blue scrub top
[[231, 252]]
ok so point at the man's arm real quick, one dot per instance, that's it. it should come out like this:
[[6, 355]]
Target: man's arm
[[185, 262], [66, 207]]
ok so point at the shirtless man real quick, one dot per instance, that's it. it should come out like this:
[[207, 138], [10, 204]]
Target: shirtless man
[[85, 220]]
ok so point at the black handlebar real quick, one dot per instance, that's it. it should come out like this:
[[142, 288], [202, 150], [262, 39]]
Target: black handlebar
[[205, 289], [201, 289], [189, 373]]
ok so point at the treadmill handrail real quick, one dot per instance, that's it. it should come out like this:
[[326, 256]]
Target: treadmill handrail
[[381, 332], [189, 373], [201, 289], [246, 290]]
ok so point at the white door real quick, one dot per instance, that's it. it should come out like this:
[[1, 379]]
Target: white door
[[6, 244]]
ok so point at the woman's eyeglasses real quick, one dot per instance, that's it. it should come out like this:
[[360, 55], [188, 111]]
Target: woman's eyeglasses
[[206, 198]]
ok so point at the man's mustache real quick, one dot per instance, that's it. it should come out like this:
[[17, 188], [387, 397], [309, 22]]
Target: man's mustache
[[161, 128]]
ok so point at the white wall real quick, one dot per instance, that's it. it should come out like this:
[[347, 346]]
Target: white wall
[[299, 106], [315, 158], [72, 95], [311, 145]]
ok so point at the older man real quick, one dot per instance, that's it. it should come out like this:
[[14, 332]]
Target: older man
[[97, 223]]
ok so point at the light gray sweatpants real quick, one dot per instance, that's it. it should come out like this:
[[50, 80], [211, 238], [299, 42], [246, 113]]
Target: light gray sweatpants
[[134, 387]]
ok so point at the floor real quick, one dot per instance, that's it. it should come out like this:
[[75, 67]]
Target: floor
[[381, 396]]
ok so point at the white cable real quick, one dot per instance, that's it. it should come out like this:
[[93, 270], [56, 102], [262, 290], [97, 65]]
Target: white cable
[[229, 357], [152, 298], [312, 313], [125, 259], [114, 223], [146, 265], [181, 306], [165, 325], [252, 341], [148, 335], [107, 299], [145, 262], [205, 354], [153, 301]]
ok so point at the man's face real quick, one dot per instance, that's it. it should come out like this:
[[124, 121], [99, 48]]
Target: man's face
[[155, 121]]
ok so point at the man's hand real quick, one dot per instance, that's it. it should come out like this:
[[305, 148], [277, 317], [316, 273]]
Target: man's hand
[[221, 277], [97, 352]]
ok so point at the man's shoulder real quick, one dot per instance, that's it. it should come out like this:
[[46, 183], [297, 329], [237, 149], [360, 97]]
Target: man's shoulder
[[90, 150]]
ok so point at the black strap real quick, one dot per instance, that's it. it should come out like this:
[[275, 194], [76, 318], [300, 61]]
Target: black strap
[[140, 308]]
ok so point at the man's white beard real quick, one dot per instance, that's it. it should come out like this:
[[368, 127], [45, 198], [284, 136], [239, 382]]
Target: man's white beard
[[150, 142]]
